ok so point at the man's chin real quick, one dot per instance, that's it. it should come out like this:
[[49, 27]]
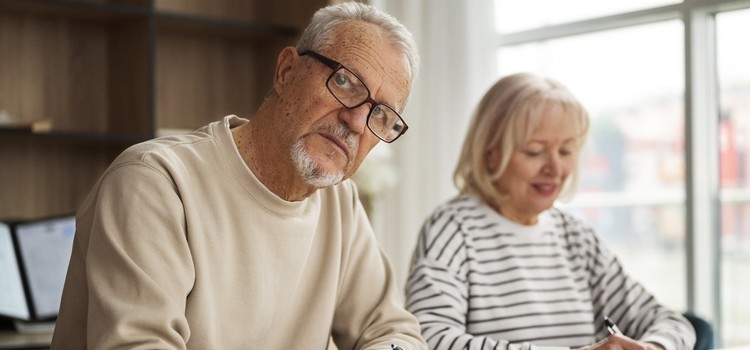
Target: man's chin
[[322, 179], [320, 170]]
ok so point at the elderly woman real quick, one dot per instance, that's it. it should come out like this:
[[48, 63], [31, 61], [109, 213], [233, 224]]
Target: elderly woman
[[499, 267]]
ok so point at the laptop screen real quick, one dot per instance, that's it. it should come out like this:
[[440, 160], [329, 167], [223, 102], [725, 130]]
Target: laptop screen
[[12, 299], [44, 247]]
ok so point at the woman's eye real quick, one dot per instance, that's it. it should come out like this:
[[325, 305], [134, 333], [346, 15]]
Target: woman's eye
[[531, 153]]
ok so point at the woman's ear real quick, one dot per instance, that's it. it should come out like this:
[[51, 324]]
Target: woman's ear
[[288, 58]]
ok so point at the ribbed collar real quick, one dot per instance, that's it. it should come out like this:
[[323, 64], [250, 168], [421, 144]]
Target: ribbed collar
[[247, 180]]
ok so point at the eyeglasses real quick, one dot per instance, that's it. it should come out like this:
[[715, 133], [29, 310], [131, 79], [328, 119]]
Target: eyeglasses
[[352, 92]]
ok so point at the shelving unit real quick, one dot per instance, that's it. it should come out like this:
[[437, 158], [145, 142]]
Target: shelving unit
[[110, 73]]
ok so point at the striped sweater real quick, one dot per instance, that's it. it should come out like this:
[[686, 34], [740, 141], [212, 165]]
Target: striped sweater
[[481, 281]]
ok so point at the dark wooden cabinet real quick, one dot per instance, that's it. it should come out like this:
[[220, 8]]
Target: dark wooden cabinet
[[99, 76]]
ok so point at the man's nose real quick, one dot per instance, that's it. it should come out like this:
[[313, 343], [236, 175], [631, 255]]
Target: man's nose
[[356, 118]]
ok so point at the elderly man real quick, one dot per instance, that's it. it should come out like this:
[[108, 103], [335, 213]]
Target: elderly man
[[244, 234]]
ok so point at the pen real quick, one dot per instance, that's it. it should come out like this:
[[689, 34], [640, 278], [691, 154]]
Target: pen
[[396, 347], [611, 326]]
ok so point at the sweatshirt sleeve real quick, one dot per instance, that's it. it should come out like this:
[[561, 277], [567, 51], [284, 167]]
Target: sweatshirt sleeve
[[370, 311], [637, 313], [138, 266]]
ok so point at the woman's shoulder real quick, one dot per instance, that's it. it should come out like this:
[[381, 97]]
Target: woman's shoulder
[[566, 217], [571, 225], [459, 210]]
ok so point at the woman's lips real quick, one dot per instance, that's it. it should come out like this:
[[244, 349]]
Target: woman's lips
[[546, 189]]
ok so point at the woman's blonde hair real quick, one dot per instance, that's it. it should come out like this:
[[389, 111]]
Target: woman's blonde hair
[[505, 118]]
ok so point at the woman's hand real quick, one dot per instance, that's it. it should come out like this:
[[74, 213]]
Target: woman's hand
[[621, 342]]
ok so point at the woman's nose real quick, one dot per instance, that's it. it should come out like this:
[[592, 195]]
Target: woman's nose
[[554, 165]]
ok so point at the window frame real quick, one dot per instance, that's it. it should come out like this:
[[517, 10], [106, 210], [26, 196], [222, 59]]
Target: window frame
[[703, 197]]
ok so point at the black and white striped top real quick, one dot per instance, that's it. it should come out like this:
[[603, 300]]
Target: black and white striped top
[[481, 281]]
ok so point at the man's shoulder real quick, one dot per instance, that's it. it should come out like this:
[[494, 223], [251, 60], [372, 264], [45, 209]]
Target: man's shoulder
[[166, 148]]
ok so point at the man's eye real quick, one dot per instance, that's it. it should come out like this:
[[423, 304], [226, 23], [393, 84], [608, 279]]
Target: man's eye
[[377, 112], [379, 116], [341, 80]]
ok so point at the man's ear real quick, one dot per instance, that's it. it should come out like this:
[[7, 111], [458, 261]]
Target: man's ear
[[288, 57]]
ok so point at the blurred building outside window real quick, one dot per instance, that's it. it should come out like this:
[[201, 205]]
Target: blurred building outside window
[[733, 55], [632, 184], [629, 69]]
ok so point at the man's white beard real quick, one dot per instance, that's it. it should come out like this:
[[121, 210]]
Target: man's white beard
[[310, 171]]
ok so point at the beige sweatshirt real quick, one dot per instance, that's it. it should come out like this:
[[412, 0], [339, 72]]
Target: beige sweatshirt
[[179, 246]]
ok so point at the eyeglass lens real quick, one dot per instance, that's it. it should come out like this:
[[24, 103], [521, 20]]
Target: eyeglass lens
[[383, 121]]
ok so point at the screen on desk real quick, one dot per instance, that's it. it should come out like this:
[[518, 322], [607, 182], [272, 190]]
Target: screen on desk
[[34, 258], [12, 299]]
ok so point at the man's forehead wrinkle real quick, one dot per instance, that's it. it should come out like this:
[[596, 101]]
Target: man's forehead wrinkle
[[374, 59], [364, 48]]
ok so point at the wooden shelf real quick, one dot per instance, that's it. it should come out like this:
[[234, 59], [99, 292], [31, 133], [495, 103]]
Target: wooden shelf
[[76, 9], [204, 25], [111, 73], [226, 77], [83, 75], [45, 177], [79, 137]]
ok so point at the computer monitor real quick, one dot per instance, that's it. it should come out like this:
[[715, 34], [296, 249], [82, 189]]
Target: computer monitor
[[34, 258]]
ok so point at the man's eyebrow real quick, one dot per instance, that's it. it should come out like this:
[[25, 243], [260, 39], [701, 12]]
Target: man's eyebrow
[[356, 72], [397, 106], [361, 78]]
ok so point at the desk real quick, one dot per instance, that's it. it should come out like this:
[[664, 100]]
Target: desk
[[10, 339], [41, 341]]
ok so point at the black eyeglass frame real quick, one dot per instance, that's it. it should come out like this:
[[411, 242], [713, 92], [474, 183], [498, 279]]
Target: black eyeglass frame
[[336, 66]]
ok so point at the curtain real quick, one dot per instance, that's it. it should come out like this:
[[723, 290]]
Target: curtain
[[457, 44]]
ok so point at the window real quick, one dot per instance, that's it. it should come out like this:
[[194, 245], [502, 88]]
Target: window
[[513, 15], [658, 154], [733, 55], [632, 186]]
